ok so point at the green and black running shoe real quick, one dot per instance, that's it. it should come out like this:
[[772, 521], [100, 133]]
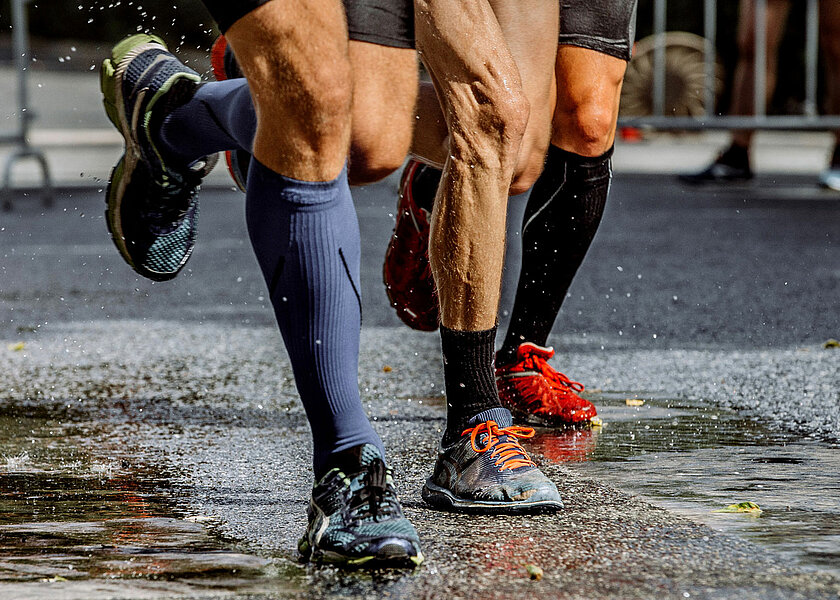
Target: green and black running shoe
[[152, 209], [487, 471], [355, 518]]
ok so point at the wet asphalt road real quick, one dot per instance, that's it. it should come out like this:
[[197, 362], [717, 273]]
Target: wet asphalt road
[[724, 299]]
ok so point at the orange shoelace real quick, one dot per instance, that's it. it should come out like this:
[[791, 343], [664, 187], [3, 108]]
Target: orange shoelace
[[557, 380], [510, 454]]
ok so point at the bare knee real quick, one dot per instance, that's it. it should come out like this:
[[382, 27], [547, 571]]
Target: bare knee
[[370, 163], [302, 98], [585, 128], [487, 127], [319, 100]]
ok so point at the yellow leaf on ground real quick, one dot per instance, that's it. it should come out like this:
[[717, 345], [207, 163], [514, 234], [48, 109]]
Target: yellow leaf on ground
[[17, 347], [634, 402], [387, 368], [831, 343], [741, 507], [534, 572]]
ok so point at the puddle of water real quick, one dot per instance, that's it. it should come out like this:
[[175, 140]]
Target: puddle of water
[[75, 509], [694, 459]]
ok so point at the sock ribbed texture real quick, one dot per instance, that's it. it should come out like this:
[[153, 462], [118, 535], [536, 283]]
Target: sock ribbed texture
[[306, 238], [220, 116], [561, 218], [469, 376]]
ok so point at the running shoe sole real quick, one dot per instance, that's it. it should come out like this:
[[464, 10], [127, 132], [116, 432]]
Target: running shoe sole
[[110, 83], [443, 499]]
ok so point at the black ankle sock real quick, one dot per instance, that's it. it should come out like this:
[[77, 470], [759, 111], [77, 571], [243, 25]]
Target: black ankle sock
[[562, 216], [469, 376], [735, 156]]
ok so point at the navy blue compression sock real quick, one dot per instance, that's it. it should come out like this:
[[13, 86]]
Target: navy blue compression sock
[[220, 116], [306, 238]]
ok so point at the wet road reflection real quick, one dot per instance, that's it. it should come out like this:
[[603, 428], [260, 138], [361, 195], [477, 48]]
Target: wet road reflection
[[695, 459], [74, 509]]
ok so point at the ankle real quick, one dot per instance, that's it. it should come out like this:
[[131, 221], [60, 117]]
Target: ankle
[[469, 376]]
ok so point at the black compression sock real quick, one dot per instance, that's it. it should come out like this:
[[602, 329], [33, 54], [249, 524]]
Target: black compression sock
[[562, 216], [469, 376]]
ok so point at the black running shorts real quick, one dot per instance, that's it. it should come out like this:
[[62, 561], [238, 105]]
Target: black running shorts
[[383, 22], [607, 26]]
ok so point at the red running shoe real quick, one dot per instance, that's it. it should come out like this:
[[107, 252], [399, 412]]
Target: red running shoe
[[225, 67], [406, 272], [534, 392]]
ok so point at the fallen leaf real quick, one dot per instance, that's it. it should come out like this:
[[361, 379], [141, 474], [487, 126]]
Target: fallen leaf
[[17, 347], [741, 507], [387, 368], [831, 343], [596, 422], [534, 572], [634, 402], [54, 579]]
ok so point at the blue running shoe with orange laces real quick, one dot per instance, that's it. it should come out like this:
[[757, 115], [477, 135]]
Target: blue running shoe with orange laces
[[152, 206], [487, 471]]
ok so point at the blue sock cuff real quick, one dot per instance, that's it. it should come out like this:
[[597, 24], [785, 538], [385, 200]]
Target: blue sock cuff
[[298, 191]]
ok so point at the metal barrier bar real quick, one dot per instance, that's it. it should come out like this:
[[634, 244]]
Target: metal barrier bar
[[709, 54], [811, 42], [790, 123], [659, 17], [760, 64], [20, 48]]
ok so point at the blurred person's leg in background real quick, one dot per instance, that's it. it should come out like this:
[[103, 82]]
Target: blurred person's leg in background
[[733, 164], [830, 41]]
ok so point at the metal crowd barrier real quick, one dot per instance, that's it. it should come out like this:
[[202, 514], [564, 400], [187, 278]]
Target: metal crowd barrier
[[20, 49], [809, 120]]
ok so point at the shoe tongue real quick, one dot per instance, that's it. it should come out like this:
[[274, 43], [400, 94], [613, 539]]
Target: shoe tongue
[[528, 349], [355, 459], [500, 415]]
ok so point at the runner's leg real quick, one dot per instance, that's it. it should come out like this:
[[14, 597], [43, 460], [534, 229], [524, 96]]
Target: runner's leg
[[300, 215], [486, 114], [744, 80], [566, 204]]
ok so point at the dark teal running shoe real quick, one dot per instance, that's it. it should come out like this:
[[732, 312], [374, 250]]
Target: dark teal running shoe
[[152, 209], [355, 518], [487, 471]]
